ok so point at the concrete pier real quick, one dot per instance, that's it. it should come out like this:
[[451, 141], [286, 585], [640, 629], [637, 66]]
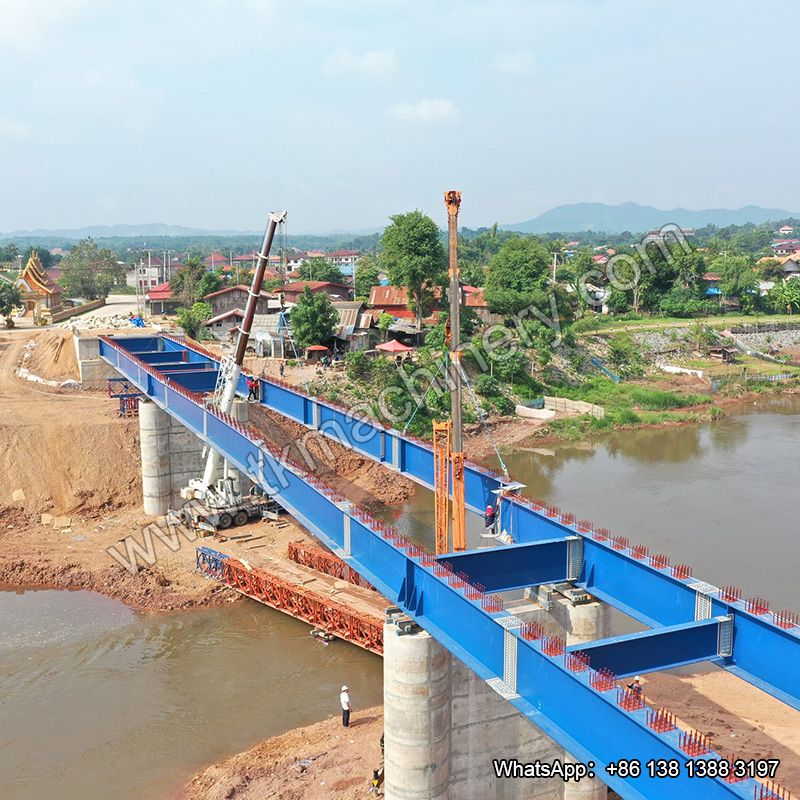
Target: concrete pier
[[444, 724], [416, 708], [172, 455], [583, 622], [154, 428]]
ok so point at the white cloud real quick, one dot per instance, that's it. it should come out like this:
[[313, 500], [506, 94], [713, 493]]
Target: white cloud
[[25, 22], [14, 128], [519, 62], [372, 64], [426, 112]]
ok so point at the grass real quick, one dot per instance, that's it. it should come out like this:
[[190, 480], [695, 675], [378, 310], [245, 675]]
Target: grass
[[755, 366], [659, 323], [618, 396], [629, 406]]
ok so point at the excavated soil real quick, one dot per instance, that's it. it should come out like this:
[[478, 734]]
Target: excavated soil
[[319, 762], [363, 481], [62, 452], [70, 488], [740, 719], [54, 357]]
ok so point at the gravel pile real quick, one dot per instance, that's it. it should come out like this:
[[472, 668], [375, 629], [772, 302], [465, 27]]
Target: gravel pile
[[88, 323], [789, 340]]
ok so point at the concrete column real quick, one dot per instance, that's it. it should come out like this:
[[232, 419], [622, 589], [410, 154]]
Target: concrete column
[[154, 426], [586, 622], [416, 709], [485, 726]]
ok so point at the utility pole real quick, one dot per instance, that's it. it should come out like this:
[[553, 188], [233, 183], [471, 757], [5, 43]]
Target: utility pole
[[555, 265], [452, 201]]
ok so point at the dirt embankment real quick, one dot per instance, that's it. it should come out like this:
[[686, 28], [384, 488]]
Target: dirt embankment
[[363, 481], [71, 488], [53, 358], [319, 762]]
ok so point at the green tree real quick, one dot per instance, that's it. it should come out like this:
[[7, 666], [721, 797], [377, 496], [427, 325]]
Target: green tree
[[8, 252], [313, 319], [738, 278], [210, 282], [384, 323], [45, 256], [320, 269], [367, 275], [690, 268], [87, 271], [517, 276], [10, 298], [413, 256], [185, 283], [192, 319], [771, 269], [785, 296]]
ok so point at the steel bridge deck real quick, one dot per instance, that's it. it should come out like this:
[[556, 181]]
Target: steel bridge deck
[[691, 620]]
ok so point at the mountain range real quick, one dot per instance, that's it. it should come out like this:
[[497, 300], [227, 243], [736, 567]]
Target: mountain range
[[154, 229], [571, 218], [577, 217]]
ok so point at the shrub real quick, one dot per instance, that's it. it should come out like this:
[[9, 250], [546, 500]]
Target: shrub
[[486, 386], [356, 365], [627, 416], [504, 405]]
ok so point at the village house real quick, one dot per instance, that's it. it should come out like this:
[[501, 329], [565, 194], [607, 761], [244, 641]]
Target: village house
[[475, 301], [345, 260], [216, 260], [159, 299], [235, 297], [712, 282], [336, 291], [786, 248]]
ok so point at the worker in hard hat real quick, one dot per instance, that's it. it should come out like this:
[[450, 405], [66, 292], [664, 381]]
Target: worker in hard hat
[[636, 686], [344, 700], [490, 518]]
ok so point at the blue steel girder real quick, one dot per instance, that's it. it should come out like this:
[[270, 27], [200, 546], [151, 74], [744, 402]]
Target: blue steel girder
[[515, 566], [762, 652], [659, 649], [541, 687]]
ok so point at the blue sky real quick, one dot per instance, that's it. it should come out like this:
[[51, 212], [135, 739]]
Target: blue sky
[[209, 113]]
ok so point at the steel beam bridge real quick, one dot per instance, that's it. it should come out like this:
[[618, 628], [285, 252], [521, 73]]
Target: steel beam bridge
[[452, 597]]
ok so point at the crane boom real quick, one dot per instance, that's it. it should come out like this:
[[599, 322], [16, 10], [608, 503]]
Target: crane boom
[[231, 367]]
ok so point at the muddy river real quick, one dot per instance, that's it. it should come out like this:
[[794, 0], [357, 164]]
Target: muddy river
[[97, 701]]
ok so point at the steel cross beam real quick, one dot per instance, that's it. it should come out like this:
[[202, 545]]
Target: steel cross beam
[[492, 643], [762, 652], [516, 566], [663, 648]]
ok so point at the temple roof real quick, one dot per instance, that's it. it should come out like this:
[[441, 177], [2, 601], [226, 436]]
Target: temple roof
[[35, 278]]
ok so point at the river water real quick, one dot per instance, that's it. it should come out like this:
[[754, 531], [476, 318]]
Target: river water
[[96, 701], [722, 497]]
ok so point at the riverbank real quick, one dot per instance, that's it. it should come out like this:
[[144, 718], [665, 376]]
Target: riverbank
[[323, 761], [517, 433]]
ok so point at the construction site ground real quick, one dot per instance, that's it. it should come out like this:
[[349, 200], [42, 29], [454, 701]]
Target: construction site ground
[[71, 488]]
